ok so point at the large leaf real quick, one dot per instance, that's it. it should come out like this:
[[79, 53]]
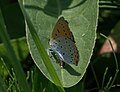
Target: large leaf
[[82, 18]]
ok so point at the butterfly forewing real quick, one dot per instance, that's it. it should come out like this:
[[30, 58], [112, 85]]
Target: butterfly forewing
[[62, 29]]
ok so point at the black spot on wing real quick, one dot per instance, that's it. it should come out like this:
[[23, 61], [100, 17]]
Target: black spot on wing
[[58, 30]]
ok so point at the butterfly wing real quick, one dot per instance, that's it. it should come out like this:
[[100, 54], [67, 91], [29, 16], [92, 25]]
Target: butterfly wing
[[62, 29], [63, 44], [65, 49]]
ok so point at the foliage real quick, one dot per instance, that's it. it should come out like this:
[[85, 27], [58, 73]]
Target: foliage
[[99, 72]]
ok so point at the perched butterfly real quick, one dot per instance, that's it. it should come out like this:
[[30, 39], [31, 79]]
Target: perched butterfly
[[62, 43]]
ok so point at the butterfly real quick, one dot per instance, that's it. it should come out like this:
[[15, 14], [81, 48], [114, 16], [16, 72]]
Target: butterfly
[[62, 44]]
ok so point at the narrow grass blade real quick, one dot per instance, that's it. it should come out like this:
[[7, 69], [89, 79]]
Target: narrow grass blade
[[42, 51], [104, 77], [116, 62], [12, 57]]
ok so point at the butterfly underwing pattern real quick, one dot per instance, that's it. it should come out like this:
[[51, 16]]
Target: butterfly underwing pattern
[[62, 43]]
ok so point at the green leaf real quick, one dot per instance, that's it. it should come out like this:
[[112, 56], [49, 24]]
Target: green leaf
[[41, 50], [82, 17]]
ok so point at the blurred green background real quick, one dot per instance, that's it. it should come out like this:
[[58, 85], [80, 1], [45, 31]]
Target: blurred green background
[[102, 58]]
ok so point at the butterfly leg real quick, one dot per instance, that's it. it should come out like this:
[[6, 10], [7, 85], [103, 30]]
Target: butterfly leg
[[53, 54], [62, 64], [58, 59], [50, 52]]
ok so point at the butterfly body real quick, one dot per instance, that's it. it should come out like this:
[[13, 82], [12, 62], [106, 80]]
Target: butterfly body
[[62, 43]]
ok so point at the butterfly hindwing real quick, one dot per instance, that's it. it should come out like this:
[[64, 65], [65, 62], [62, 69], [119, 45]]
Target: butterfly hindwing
[[65, 49]]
